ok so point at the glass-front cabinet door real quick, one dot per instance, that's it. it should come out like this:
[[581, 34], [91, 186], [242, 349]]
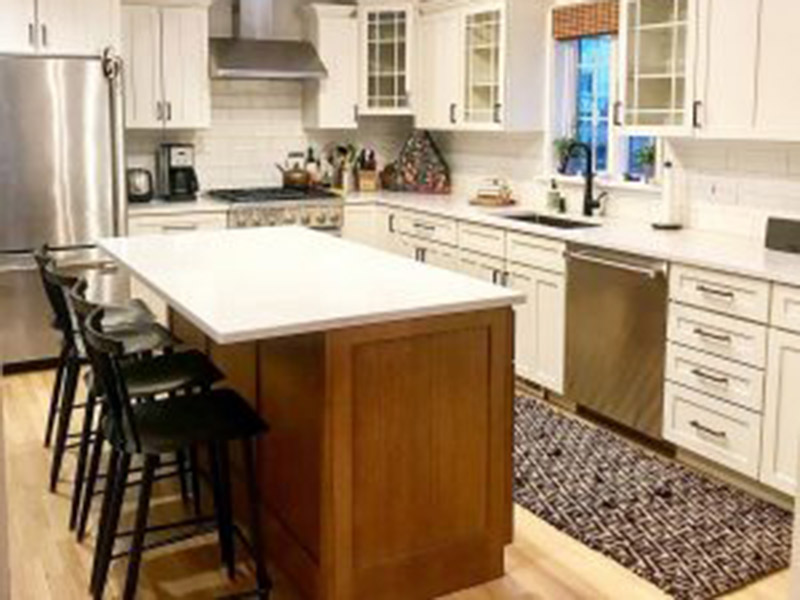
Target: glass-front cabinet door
[[484, 66], [386, 60], [657, 66]]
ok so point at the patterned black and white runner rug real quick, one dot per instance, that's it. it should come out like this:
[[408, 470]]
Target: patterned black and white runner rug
[[693, 537]]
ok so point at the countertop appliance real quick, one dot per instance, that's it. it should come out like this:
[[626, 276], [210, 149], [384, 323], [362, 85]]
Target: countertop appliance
[[140, 185], [62, 183], [616, 336], [271, 206], [177, 178]]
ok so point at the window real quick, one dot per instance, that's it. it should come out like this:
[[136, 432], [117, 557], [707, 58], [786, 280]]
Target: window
[[593, 92], [584, 75]]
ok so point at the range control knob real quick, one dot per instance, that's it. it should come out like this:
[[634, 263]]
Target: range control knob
[[335, 218], [305, 219], [321, 218]]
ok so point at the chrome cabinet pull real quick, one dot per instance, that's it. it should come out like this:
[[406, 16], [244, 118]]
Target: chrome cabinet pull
[[453, 113], [44, 35], [169, 111], [355, 112], [167, 228], [700, 427], [709, 377], [717, 337], [696, 106], [159, 111], [618, 113], [424, 226], [497, 108], [391, 223], [32, 34], [704, 289]]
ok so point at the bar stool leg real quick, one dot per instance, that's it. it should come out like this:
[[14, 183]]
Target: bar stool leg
[[140, 526], [65, 414], [91, 479], [195, 479], [55, 396], [83, 454], [221, 506], [112, 506], [262, 577]]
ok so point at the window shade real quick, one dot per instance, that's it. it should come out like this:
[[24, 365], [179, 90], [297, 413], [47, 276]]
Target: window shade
[[580, 20]]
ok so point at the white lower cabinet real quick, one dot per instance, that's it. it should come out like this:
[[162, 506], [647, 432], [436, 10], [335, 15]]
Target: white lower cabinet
[[782, 412], [540, 325], [171, 224], [360, 224], [714, 429], [487, 268]]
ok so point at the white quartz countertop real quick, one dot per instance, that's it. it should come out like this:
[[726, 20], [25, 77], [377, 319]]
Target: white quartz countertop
[[247, 284], [722, 252]]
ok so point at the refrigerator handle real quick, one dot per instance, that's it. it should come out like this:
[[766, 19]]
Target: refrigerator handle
[[112, 67]]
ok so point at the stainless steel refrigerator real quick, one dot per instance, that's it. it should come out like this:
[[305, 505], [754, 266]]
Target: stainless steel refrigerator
[[60, 184]]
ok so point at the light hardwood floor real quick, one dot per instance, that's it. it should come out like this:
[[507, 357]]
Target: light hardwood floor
[[47, 563]]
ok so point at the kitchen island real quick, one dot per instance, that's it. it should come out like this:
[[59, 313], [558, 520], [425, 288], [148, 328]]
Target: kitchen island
[[388, 388]]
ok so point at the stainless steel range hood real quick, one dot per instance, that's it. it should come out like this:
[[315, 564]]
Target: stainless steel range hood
[[256, 52]]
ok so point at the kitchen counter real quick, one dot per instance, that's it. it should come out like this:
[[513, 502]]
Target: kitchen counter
[[736, 254], [246, 284], [388, 387]]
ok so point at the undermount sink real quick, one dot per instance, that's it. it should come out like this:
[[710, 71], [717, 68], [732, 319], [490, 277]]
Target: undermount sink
[[550, 221]]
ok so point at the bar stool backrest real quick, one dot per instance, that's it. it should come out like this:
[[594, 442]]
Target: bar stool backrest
[[106, 353], [56, 285]]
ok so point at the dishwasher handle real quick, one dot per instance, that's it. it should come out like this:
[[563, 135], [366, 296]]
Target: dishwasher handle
[[653, 272]]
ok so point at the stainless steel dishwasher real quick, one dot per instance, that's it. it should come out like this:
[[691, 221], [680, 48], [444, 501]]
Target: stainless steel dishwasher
[[616, 336]]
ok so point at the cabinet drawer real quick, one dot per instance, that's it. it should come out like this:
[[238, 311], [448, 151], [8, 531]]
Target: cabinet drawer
[[721, 292], [721, 432], [536, 252], [182, 223], [481, 239], [723, 336], [786, 307], [724, 379], [426, 227]]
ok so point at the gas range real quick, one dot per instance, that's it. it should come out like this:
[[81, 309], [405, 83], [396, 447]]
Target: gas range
[[271, 206]]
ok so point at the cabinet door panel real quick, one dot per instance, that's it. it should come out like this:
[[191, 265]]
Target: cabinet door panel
[[540, 326], [360, 224], [141, 53], [17, 26], [80, 27], [438, 105], [782, 412], [484, 69], [184, 43], [387, 39], [727, 58], [778, 82]]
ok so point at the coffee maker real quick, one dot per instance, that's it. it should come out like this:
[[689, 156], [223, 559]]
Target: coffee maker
[[177, 179]]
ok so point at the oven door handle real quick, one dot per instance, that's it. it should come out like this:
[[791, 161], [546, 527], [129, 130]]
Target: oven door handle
[[654, 272]]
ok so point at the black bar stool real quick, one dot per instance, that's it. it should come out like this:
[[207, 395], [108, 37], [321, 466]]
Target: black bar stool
[[166, 374], [149, 336], [135, 312], [211, 418]]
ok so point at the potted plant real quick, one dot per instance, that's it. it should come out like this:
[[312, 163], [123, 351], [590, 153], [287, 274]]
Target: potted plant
[[561, 146], [646, 159]]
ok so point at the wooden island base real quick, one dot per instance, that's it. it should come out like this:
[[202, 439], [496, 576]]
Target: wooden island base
[[387, 470]]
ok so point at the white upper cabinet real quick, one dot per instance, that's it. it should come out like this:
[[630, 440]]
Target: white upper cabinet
[[184, 59], [726, 61], [58, 27], [165, 53], [778, 79], [657, 65], [387, 37], [141, 51], [440, 83], [481, 65], [332, 102], [18, 30], [80, 27]]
